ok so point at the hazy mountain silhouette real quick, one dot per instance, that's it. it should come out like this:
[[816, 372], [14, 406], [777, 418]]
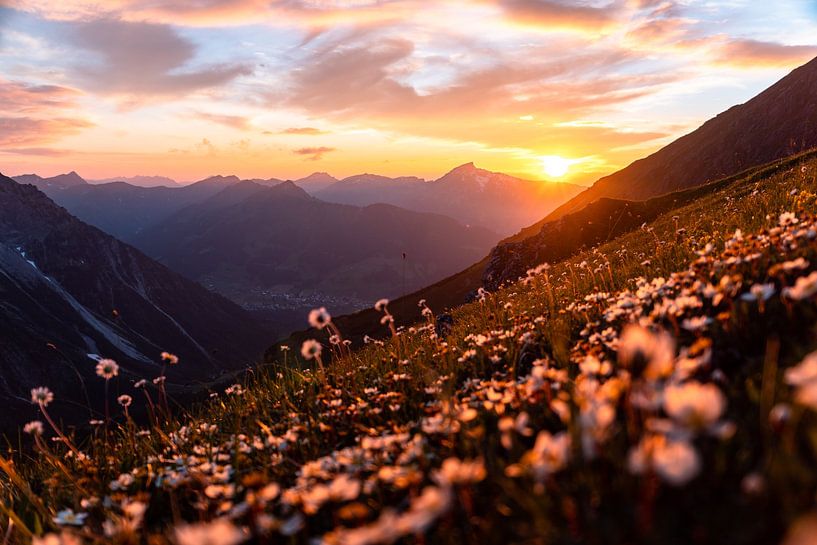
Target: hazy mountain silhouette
[[141, 181], [315, 182], [469, 194], [54, 183], [250, 237]]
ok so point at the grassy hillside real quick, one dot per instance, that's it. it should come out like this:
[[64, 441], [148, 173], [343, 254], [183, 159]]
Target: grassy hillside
[[550, 240], [657, 388]]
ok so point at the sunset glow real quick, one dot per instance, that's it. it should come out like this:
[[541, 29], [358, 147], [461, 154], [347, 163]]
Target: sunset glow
[[555, 166], [260, 89]]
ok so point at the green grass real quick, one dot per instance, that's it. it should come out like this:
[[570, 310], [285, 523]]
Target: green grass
[[423, 439]]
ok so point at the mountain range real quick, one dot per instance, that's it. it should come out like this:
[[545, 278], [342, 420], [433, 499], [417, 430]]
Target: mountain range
[[778, 123], [70, 293], [251, 238], [281, 247], [472, 195], [141, 181]]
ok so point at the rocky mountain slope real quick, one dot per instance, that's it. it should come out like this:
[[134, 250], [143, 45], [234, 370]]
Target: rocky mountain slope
[[69, 293]]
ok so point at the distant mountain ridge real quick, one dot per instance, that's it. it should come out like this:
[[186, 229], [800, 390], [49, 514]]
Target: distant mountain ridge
[[140, 181], [315, 182], [282, 238], [59, 182], [472, 195], [70, 291]]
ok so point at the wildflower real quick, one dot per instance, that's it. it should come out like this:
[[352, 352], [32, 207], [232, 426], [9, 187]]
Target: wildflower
[[42, 396], [381, 304], [124, 400], [548, 455], [219, 532], [753, 484], [640, 349], [758, 292], [456, 471], [696, 323], [67, 517], [107, 368], [122, 482], [63, 538], [788, 218], [169, 358], [235, 390], [35, 427], [592, 366], [676, 462], [804, 287], [140, 383], [319, 318], [779, 415], [311, 349], [804, 378], [694, 405]]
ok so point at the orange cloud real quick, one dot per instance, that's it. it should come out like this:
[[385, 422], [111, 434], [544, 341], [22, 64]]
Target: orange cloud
[[315, 14], [31, 115], [303, 131], [549, 14], [314, 154], [753, 54], [352, 82], [234, 121], [25, 131]]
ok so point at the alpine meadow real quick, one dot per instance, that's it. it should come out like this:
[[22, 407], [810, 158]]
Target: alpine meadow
[[366, 272]]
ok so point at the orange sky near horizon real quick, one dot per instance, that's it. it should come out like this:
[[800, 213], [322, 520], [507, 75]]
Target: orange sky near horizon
[[283, 88]]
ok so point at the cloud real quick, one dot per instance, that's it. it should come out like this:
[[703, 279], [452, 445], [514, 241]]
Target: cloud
[[134, 58], [314, 154], [303, 131], [26, 131], [342, 77], [754, 54], [550, 14], [366, 80], [39, 152], [206, 146], [314, 14], [234, 121], [32, 115]]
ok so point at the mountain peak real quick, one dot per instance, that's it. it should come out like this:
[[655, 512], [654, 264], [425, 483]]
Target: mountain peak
[[467, 167], [222, 179], [289, 188]]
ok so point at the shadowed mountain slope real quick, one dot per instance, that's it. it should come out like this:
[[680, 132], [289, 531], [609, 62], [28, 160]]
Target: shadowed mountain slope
[[69, 290], [281, 239]]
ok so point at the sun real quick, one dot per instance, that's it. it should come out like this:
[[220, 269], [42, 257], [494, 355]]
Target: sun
[[555, 166]]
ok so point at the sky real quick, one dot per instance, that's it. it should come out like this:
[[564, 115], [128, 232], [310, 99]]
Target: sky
[[283, 88]]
